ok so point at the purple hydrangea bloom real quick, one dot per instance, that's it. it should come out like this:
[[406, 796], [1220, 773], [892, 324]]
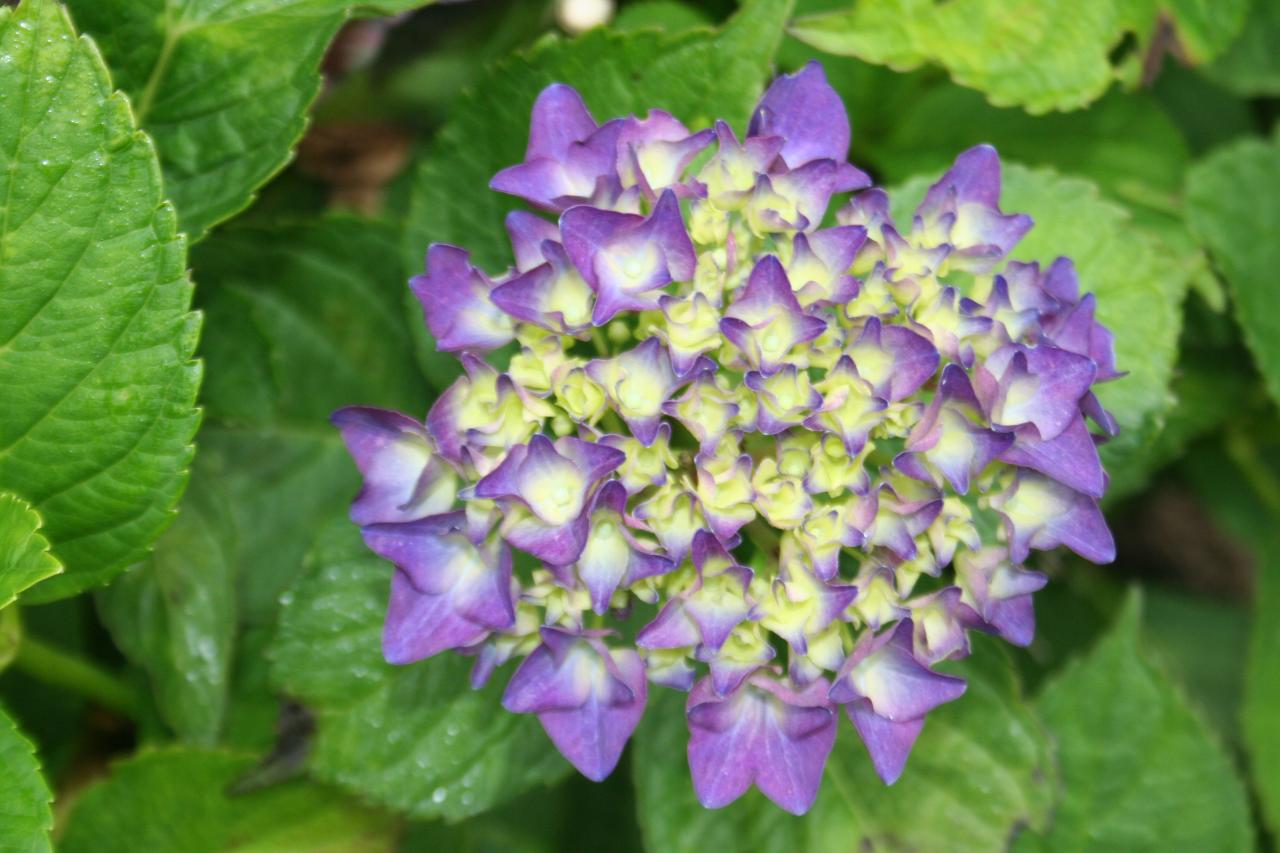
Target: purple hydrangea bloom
[[730, 442]]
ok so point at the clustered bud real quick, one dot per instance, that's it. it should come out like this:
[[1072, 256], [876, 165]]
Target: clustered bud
[[780, 464]]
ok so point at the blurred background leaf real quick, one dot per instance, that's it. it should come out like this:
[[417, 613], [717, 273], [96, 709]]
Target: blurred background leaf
[[178, 800]]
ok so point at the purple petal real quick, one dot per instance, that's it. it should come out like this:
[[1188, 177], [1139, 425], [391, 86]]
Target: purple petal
[[763, 732], [885, 670], [888, 743], [1040, 385], [1042, 513], [455, 302], [528, 232], [806, 112], [589, 699], [1071, 458], [403, 480], [895, 360], [559, 119]]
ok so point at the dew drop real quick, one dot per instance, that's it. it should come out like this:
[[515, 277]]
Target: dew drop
[[438, 795]]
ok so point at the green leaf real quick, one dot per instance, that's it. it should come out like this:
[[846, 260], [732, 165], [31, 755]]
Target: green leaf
[[669, 15], [698, 76], [223, 87], [981, 770], [176, 800], [175, 617], [1140, 770], [1238, 486], [24, 797], [24, 552], [413, 738], [1260, 722], [95, 333], [1125, 142], [10, 636], [1251, 66], [1233, 203], [303, 319], [1040, 55], [1139, 288]]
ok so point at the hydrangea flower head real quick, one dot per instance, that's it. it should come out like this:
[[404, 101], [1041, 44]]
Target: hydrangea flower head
[[781, 459]]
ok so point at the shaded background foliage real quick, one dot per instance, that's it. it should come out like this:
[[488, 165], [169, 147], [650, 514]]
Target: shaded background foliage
[[219, 685]]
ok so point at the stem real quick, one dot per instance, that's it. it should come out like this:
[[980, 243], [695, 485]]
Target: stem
[[1244, 453], [61, 669]]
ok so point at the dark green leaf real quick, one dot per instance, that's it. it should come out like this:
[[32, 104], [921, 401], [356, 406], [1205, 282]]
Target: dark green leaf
[[414, 738], [1140, 770], [1233, 201], [1251, 66], [177, 800], [95, 333], [25, 816], [303, 319], [175, 617]]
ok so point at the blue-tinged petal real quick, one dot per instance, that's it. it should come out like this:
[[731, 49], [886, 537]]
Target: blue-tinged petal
[[456, 305], [528, 231], [888, 742], [764, 732], [552, 295], [625, 257], [1042, 513], [448, 592], [1071, 458], [589, 698], [884, 670], [999, 593], [804, 111], [765, 321], [404, 479], [1040, 385]]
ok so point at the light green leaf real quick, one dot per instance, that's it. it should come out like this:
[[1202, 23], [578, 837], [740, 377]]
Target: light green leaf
[[1233, 204], [1251, 66], [24, 552], [25, 816], [981, 771], [1140, 770], [698, 76], [1039, 54], [95, 333], [1139, 288], [223, 87], [10, 636], [175, 616], [303, 319], [413, 738], [176, 800]]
